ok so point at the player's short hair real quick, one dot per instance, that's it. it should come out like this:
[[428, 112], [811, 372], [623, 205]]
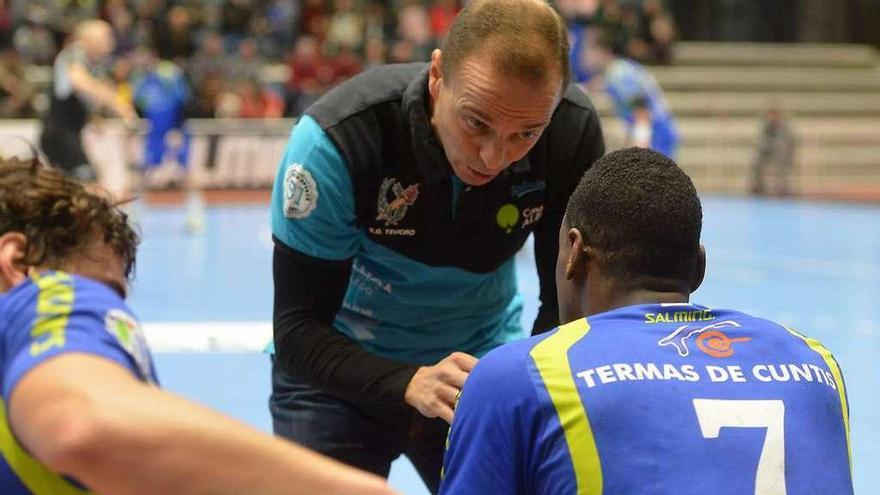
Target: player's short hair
[[58, 216], [526, 38], [641, 212]]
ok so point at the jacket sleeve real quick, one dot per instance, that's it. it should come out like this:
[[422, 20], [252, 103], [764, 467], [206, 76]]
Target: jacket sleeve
[[308, 294]]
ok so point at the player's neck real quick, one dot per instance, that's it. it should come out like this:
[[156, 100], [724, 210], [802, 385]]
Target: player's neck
[[614, 300]]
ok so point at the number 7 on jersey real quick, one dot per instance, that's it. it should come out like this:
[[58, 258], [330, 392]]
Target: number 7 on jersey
[[714, 414]]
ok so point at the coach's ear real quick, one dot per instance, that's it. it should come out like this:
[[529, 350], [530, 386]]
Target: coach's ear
[[700, 269], [13, 246]]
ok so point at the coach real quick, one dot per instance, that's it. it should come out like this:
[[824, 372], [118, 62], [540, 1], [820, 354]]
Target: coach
[[400, 202]]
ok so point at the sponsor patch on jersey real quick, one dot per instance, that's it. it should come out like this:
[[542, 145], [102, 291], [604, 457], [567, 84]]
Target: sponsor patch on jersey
[[709, 339], [392, 210], [300, 192], [125, 329]]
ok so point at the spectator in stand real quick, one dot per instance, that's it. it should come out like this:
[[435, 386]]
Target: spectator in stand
[[6, 23], [374, 53], [207, 94], [282, 18], [414, 27], [248, 62], [377, 23], [658, 32], [35, 43], [310, 75], [122, 22], [775, 154], [172, 37], [345, 64], [314, 18], [442, 15], [236, 18], [16, 92], [258, 102], [346, 26], [211, 58]]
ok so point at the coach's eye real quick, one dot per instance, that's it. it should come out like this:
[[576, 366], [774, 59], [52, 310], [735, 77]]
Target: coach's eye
[[475, 124]]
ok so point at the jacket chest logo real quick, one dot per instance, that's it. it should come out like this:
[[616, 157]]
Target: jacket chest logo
[[508, 216], [393, 211]]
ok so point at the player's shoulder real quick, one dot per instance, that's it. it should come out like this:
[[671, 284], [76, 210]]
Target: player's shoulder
[[71, 291], [511, 362]]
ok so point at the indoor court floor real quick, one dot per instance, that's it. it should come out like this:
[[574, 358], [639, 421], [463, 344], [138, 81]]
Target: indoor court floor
[[206, 300]]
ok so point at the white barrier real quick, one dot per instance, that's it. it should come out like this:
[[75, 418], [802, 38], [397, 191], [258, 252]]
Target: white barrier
[[224, 153]]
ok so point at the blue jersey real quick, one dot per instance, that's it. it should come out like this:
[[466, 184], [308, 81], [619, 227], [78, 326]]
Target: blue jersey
[[627, 81], [50, 314], [659, 399]]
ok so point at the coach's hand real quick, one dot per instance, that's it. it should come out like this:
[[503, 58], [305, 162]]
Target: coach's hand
[[434, 389]]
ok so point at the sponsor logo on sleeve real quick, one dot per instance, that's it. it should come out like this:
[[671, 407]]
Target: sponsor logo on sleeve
[[300, 192], [125, 329]]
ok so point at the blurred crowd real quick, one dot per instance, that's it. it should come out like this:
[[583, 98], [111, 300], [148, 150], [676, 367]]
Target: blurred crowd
[[272, 58]]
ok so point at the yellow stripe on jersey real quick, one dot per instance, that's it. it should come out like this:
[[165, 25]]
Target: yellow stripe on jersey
[[551, 359], [838, 379], [54, 305], [34, 475]]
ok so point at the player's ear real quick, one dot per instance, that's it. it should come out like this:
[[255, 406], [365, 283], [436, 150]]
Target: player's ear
[[577, 255], [700, 269], [13, 246]]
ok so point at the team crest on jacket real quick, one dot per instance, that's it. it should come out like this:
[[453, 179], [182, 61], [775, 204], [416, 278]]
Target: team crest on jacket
[[394, 210], [300, 192]]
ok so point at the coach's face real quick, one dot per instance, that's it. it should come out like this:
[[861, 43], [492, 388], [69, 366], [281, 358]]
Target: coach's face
[[485, 120]]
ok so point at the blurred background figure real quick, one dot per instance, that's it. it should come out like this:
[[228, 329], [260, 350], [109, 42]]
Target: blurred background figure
[[16, 91], [162, 94], [77, 92], [774, 160], [638, 99]]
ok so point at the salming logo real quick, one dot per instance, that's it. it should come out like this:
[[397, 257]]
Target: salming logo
[[710, 339]]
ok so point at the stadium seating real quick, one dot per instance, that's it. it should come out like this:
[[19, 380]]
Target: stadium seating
[[719, 92]]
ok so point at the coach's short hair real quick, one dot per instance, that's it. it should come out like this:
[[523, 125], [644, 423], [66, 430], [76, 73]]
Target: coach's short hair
[[526, 39], [641, 213]]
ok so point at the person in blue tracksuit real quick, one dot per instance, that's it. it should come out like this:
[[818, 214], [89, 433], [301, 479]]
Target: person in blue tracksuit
[[642, 391]]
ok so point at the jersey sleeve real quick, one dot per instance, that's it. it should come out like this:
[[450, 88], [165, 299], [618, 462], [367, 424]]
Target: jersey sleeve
[[89, 324], [497, 416], [312, 200]]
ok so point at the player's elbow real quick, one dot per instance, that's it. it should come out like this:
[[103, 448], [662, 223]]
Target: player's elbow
[[73, 437]]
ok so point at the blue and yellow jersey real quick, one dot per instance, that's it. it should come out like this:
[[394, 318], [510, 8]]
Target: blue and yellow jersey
[[659, 399], [50, 314]]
